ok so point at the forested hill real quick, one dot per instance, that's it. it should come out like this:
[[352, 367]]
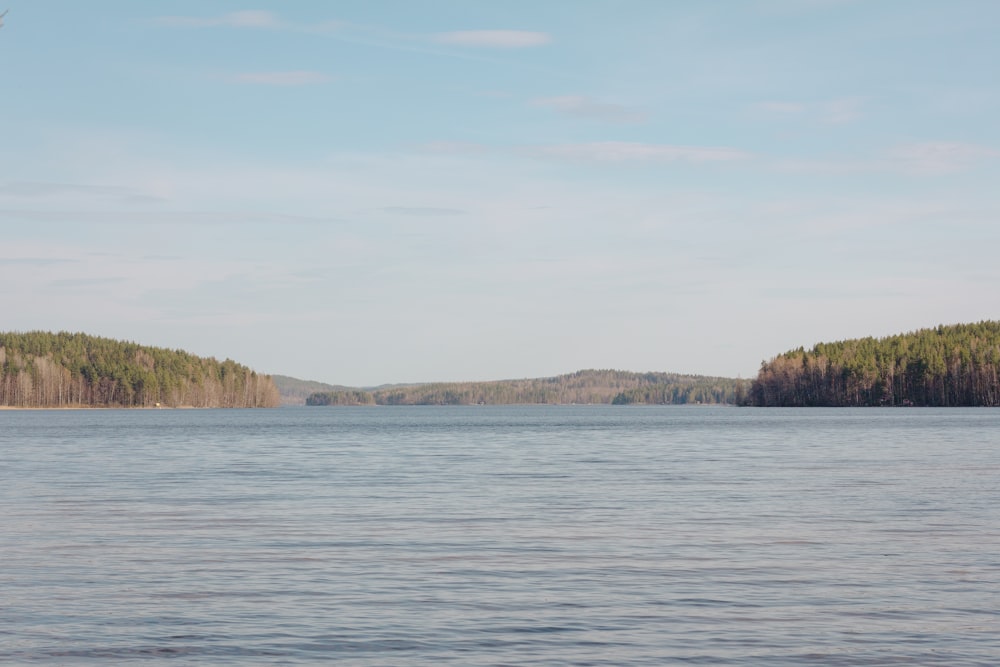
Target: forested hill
[[41, 369], [589, 386], [294, 391], [956, 365]]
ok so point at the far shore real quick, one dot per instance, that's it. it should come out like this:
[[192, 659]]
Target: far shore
[[102, 407]]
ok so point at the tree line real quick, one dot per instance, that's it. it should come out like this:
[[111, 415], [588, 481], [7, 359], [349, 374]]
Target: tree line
[[42, 369], [294, 391], [957, 365], [587, 386]]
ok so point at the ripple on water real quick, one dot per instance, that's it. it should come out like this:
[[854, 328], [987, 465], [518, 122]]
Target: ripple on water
[[485, 536]]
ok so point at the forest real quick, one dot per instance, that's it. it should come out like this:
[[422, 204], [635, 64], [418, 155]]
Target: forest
[[587, 386], [957, 365], [41, 369]]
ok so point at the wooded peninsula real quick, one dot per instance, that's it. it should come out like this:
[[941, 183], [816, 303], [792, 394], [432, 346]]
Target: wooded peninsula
[[956, 365], [53, 370]]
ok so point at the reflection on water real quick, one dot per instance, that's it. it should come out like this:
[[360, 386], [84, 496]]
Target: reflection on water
[[501, 535]]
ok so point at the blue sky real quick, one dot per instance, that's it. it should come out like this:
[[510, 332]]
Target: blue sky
[[370, 192]]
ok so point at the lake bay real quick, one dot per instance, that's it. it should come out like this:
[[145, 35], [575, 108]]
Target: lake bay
[[499, 535]]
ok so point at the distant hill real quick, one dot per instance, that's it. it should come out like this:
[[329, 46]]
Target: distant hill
[[587, 386], [294, 391], [49, 370], [956, 365]]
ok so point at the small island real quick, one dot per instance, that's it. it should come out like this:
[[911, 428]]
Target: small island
[[64, 370]]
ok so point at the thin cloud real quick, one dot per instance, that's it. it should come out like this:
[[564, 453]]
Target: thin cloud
[[177, 217], [243, 19], [938, 157], [828, 166], [35, 261], [782, 107], [44, 189], [822, 293], [626, 151], [422, 210], [802, 6], [496, 39], [840, 111], [27, 191], [292, 78], [927, 158], [78, 283], [831, 112], [248, 19], [584, 107], [453, 148]]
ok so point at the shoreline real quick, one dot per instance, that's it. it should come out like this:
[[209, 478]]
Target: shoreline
[[102, 407]]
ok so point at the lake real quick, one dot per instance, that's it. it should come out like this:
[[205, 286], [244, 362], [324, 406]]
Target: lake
[[535, 535]]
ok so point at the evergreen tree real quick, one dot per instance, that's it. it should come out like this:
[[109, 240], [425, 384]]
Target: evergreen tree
[[41, 369], [956, 365]]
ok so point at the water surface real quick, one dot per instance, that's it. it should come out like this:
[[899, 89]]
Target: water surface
[[542, 535]]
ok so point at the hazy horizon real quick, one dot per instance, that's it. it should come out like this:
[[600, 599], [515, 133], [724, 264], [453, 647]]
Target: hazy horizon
[[496, 379], [393, 192]]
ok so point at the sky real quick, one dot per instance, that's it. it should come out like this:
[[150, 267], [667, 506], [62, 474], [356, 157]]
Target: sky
[[394, 191]]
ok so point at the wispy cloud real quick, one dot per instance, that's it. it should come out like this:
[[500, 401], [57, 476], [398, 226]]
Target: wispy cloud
[[782, 107], [840, 111], [919, 158], [832, 112], [78, 283], [585, 107], [78, 195], [453, 148], [800, 6], [251, 19], [627, 151], [938, 157], [829, 293], [43, 189], [422, 210], [497, 39], [161, 258], [291, 78], [175, 217], [35, 261], [242, 19], [596, 151]]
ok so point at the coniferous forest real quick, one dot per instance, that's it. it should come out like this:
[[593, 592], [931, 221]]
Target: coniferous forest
[[956, 365], [41, 369]]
